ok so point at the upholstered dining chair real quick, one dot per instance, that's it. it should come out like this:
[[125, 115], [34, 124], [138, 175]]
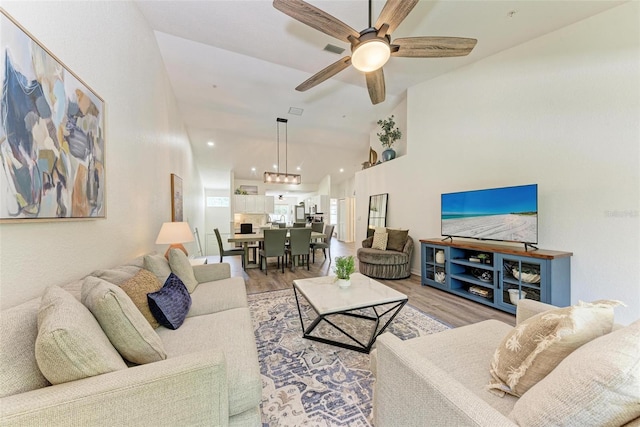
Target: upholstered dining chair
[[317, 226], [299, 224], [299, 240], [228, 252], [324, 244], [273, 246]]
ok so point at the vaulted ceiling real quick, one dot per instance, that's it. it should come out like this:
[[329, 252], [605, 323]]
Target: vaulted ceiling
[[233, 66]]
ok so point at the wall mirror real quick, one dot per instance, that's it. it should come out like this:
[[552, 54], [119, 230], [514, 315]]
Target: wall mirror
[[377, 212]]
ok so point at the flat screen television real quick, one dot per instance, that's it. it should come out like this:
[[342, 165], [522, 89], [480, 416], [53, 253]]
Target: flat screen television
[[508, 214]]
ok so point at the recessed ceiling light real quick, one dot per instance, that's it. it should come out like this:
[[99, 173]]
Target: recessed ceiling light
[[275, 166], [298, 168], [341, 170], [253, 169], [210, 143]]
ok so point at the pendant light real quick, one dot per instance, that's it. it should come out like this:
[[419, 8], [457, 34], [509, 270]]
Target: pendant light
[[286, 177]]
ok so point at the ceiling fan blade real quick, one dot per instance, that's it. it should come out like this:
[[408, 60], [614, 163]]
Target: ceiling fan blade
[[394, 12], [316, 18], [325, 74], [375, 84], [433, 47]]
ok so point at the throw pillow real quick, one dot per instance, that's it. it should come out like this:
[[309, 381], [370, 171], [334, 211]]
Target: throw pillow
[[182, 268], [138, 287], [117, 275], [536, 346], [170, 304], [397, 239], [70, 343], [380, 241], [596, 385], [158, 265], [120, 319]]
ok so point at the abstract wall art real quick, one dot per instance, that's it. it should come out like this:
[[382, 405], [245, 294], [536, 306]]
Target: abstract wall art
[[52, 142], [176, 198]]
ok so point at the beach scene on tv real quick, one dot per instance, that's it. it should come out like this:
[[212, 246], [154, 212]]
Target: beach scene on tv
[[508, 214]]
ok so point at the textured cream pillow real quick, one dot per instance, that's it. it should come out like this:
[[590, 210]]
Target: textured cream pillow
[[120, 319], [596, 385], [70, 343], [158, 265], [182, 268], [380, 241], [143, 283], [536, 346]]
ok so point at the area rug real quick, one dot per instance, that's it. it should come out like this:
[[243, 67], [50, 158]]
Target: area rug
[[307, 383]]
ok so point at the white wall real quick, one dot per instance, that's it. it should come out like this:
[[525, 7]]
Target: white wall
[[110, 46], [399, 114], [560, 111]]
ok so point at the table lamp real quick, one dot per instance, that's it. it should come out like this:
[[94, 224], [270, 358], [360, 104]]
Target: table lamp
[[174, 234]]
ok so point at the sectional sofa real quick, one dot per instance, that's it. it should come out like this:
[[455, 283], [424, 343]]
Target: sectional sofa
[[205, 372]]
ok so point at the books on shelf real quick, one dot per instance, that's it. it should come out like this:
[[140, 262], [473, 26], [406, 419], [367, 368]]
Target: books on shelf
[[480, 291]]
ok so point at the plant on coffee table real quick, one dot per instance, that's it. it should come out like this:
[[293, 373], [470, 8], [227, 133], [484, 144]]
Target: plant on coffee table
[[345, 266]]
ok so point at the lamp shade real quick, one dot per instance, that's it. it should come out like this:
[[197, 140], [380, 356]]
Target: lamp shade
[[174, 232]]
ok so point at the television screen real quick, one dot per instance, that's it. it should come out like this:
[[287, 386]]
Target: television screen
[[508, 214]]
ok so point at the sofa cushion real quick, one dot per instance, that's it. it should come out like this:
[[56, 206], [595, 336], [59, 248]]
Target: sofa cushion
[[397, 239], [537, 345], [230, 331], [375, 256], [219, 295], [181, 267], [596, 385], [380, 241], [70, 343], [158, 265], [170, 304], [120, 319], [19, 370], [137, 288]]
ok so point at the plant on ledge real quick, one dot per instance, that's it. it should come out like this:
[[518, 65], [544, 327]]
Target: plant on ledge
[[389, 135], [345, 267]]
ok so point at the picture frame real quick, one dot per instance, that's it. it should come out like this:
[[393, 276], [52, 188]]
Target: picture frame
[[177, 214], [52, 135]]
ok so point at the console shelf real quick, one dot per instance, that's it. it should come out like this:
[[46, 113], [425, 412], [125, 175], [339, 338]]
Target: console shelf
[[485, 272]]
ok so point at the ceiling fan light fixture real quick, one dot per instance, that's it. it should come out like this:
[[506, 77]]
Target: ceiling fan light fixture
[[371, 54]]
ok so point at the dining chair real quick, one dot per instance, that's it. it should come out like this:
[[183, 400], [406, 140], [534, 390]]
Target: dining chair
[[317, 226], [299, 224], [324, 244], [299, 240], [228, 252], [273, 246], [282, 225]]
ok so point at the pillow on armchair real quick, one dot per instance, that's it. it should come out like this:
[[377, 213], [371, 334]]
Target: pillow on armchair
[[397, 239]]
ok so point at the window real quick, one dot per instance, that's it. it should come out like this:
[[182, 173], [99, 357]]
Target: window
[[333, 211], [217, 202], [281, 213]]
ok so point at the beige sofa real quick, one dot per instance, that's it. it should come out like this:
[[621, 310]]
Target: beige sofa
[[210, 375], [441, 379]]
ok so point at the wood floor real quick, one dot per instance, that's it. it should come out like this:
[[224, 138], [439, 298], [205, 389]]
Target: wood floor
[[446, 307]]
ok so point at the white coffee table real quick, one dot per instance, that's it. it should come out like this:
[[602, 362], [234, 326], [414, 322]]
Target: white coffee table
[[350, 317]]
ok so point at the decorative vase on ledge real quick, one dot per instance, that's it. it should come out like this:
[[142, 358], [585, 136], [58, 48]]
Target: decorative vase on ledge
[[388, 154]]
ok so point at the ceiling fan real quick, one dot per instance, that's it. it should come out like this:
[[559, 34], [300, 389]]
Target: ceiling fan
[[372, 47]]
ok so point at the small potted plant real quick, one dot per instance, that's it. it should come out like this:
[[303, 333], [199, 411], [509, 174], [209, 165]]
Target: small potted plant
[[388, 136], [484, 258], [345, 267]]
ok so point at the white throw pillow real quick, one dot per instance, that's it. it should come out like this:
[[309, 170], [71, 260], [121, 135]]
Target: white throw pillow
[[182, 268], [70, 343], [158, 265], [380, 241], [596, 385], [125, 326]]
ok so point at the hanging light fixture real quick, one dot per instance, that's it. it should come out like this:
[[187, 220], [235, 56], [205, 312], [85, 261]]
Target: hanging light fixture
[[286, 177]]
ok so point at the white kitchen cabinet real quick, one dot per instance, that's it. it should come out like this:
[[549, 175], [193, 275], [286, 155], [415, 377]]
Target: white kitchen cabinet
[[253, 204]]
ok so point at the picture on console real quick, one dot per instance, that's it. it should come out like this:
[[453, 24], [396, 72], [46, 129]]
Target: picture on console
[[506, 214]]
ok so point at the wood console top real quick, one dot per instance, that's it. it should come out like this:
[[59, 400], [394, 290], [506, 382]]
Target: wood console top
[[493, 247]]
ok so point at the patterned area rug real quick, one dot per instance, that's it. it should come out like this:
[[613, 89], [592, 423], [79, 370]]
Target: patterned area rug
[[307, 383]]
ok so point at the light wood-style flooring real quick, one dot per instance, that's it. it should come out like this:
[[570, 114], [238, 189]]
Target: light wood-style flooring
[[446, 307]]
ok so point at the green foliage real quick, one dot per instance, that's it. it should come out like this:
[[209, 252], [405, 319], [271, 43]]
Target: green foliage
[[345, 266], [240, 191], [390, 133]]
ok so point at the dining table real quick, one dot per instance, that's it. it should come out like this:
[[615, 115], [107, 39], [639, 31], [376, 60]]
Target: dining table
[[247, 238]]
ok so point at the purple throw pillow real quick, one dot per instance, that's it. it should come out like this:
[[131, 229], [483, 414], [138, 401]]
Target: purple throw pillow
[[171, 303]]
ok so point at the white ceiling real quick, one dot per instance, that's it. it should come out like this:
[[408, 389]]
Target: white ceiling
[[234, 65]]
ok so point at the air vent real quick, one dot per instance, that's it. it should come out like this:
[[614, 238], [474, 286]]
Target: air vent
[[334, 49], [295, 111]]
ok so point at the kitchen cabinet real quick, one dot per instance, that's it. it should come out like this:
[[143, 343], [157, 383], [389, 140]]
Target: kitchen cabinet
[[253, 204]]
